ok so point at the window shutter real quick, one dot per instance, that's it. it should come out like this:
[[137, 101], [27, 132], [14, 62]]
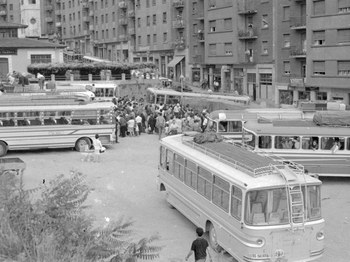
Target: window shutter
[[344, 65], [319, 7], [319, 66], [318, 35], [343, 35]]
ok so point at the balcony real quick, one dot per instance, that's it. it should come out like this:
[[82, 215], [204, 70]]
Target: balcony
[[3, 12], [58, 12], [179, 43], [248, 34], [91, 27], [199, 35], [85, 32], [131, 13], [178, 24], [122, 5], [123, 37], [48, 19], [85, 5], [131, 31], [296, 52], [246, 7], [298, 23], [123, 21], [3, 2], [178, 3], [86, 19], [58, 24]]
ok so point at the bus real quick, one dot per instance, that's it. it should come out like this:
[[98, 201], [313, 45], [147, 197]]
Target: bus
[[104, 92], [55, 126], [324, 150], [229, 123], [254, 207], [211, 101]]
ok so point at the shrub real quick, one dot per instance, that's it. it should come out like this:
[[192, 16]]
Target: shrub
[[48, 223]]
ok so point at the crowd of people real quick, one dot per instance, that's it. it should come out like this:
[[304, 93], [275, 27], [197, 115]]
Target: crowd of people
[[134, 118]]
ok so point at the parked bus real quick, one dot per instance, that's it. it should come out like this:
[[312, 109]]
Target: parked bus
[[104, 92], [255, 207], [229, 123], [211, 101], [55, 126], [323, 150]]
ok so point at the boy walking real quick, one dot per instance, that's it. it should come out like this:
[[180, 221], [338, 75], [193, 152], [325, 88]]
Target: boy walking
[[199, 247]]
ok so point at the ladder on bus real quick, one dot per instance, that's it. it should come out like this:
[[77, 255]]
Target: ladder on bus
[[295, 196]]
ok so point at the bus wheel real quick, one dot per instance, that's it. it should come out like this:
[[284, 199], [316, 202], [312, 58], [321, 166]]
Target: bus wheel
[[3, 148], [82, 143], [213, 242]]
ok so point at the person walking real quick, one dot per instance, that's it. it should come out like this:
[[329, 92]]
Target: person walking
[[41, 80], [97, 148], [160, 124], [199, 247]]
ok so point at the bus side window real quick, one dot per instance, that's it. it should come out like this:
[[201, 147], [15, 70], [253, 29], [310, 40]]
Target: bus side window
[[35, 122], [223, 126], [348, 143], [1, 123], [235, 126], [265, 142]]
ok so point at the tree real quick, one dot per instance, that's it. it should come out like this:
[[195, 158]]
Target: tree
[[49, 223]]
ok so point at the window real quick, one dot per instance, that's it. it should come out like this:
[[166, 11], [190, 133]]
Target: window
[[147, 3], [212, 3], [332, 143], [343, 6], [113, 16], [114, 32], [221, 193], [321, 96], [286, 40], [264, 48], [164, 18], [265, 142], [319, 7], [236, 202], [148, 20], [179, 164], [139, 22], [228, 48], [153, 2], [287, 142], [204, 183], [191, 174], [212, 26], [164, 1], [11, 7], [148, 39], [309, 143], [212, 49], [343, 36], [139, 40], [165, 37], [154, 19], [34, 59], [286, 13], [286, 67], [106, 18], [228, 24], [344, 68], [319, 68], [318, 38], [264, 21]]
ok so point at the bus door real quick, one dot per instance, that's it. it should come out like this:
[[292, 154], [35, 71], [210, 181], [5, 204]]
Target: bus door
[[160, 99]]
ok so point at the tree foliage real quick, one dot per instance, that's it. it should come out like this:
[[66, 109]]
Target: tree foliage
[[49, 223]]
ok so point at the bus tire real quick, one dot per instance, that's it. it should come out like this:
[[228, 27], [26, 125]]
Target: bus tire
[[212, 239], [81, 144], [3, 148]]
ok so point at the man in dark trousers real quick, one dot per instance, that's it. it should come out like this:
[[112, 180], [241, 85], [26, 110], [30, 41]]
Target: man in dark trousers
[[199, 247]]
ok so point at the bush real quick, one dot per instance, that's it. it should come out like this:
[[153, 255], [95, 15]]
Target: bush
[[49, 224]]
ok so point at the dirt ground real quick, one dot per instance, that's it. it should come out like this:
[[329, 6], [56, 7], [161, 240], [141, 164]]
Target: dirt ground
[[124, 184]]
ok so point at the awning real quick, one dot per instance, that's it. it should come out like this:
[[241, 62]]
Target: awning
[[175, 61]]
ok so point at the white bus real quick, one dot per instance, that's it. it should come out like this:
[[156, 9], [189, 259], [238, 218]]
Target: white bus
[[322, 150], [212, 101], [55, 126], [254, 207]]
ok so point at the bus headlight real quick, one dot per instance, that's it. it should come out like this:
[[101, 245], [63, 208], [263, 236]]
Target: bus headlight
[[320, 235], [260, 242]]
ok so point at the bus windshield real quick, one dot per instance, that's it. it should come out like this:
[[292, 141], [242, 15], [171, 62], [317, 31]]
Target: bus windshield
[[271, 207]]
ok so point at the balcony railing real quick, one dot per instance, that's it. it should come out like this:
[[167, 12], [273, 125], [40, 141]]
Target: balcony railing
[[131, 13], [295, 81], [248, 34], [298, 23], [178, 3], [123, 21], [179, 43], [58, 24], [123, 37], [3, 12], [131, 31], [297, 52], [48, 19], [178, 23], [3, 2], [122, 5], [246, 7], [199, 35]]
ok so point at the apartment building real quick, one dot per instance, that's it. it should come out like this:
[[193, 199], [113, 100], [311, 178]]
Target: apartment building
[[328, 50], [231, 43]]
